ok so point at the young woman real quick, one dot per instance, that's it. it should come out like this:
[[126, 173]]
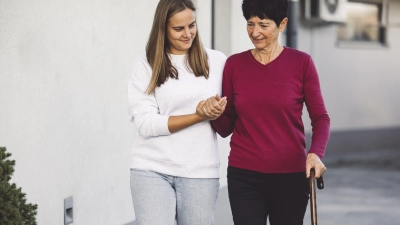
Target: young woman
[[175, 159]]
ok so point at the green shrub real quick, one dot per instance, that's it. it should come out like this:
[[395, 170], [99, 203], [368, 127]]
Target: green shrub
[[13, 207]]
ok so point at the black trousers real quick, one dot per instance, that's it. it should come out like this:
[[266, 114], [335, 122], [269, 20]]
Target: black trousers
[[255, 196]]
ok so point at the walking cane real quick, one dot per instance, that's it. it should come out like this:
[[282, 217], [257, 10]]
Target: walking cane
[[313, 197]]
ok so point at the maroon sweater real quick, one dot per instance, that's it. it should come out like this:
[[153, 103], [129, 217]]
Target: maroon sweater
[[264, 109]]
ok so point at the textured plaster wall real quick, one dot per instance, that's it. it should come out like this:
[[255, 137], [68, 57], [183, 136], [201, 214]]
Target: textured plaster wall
[[64, 67]]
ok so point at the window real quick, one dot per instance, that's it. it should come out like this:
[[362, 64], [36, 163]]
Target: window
[[364, 26]]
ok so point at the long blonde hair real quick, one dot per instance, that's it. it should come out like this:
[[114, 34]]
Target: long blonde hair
[[157, 55]]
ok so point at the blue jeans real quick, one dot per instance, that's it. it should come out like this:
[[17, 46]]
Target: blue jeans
[[160, 199]]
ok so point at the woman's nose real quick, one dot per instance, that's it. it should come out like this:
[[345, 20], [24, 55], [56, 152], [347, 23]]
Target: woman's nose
[[256, 31], [187, 32]]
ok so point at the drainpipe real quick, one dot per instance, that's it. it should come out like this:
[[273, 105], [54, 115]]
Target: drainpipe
[[291, 30]]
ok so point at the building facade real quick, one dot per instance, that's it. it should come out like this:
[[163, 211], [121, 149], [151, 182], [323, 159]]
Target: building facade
[[63, 72]]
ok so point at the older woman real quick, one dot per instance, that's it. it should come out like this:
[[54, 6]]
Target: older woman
[[266, 88]]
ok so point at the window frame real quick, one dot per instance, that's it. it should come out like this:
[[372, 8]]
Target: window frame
[[382, 42]]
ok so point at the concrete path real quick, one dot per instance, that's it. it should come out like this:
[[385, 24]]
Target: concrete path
[[361, 189], [357, 196]]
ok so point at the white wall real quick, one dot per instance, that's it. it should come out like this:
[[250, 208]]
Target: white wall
[[203, 19], [64, 67], [222, 36], [239, 39], [360, 85], [63, 72]]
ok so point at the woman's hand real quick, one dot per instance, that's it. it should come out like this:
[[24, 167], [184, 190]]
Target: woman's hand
[[214, 106], [199, 108], [211, 108], [222, 104], [177, 123], [313, 161]]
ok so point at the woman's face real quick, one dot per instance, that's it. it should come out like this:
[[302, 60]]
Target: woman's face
[[181, 30], [264, 32]]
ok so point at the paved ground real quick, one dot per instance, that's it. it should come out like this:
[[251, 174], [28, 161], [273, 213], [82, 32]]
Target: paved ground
[[361, 188]]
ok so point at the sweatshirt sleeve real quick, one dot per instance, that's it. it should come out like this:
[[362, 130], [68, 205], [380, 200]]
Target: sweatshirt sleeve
[[314, 101], [143, 108], [225, 124]]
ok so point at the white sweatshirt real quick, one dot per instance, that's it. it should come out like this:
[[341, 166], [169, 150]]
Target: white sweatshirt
[[191, 152]]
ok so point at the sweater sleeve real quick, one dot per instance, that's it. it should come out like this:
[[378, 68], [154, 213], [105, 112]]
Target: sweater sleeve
[[225, 124], [143, 108], [314, 101]]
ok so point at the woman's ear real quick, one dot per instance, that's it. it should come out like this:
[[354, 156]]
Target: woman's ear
[[283, 24]]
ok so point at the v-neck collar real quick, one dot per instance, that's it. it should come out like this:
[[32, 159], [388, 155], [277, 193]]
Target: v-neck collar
[[252, 58]]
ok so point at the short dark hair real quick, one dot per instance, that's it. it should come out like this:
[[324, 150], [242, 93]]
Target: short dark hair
[[275, 10]]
